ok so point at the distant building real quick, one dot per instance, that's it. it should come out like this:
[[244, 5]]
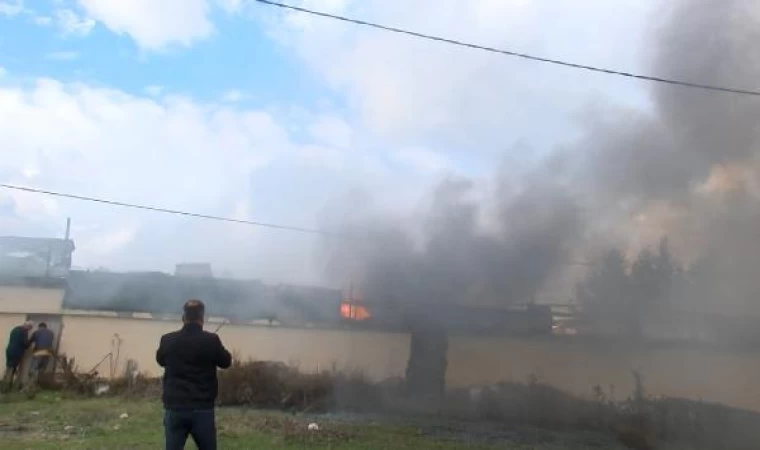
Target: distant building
[[238, 300], [195, 270], [35, 258]]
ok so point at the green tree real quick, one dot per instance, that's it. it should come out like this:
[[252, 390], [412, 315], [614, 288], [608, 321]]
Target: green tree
[[645, 283], [628, 298], [604, 294]]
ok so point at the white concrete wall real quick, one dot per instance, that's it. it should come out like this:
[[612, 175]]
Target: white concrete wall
[[572, 365], [29, 300], [576, 366], [379, 355]]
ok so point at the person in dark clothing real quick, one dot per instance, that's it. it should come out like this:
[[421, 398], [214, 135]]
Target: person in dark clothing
[[44, 342], [190, 357], [18, 342]]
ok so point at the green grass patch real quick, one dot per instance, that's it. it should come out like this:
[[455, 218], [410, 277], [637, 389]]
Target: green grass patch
[[52, 422]]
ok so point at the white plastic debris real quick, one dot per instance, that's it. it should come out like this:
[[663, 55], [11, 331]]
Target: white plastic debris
[[313, 427], [116, 427], [124, 416], [102, 389], [68, 428]]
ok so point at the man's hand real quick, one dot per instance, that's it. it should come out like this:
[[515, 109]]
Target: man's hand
[[223, 357], [161, 353]]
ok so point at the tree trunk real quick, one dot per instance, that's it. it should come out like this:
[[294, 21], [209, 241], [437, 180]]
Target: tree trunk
[[426, 369]]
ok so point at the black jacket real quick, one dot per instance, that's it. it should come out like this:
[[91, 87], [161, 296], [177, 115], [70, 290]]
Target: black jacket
[[190, 357], [18, 342]]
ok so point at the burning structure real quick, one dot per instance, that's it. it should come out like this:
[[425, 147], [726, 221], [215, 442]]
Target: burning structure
[[460, 318], [686, 165], [426, 343], [430, 324], [461, 277]]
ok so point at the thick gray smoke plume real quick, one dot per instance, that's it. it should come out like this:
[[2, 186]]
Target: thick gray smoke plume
[[494, 250], [687, 167], [665, 152]]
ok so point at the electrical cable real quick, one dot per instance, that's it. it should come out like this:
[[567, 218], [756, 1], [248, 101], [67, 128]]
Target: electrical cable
[[541, 59], [171, 211], [207, 216]]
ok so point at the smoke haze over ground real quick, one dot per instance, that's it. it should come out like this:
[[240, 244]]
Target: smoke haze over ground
[[687, 168]]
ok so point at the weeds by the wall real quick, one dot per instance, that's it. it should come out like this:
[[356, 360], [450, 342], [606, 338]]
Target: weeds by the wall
[[267, 384], [640, 422], [69, 379]]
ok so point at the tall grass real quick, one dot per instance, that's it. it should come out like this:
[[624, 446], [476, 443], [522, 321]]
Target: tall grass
[[640, 421]]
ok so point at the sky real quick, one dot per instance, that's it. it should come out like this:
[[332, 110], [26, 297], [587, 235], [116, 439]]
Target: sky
[[238, 109]]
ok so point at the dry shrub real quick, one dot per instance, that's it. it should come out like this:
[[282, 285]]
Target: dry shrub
[[267, 384], [352, 391], [690, 424], [134, 383], [532, 403], [72, 381], [49, 382], [639, 422], [138, 386]]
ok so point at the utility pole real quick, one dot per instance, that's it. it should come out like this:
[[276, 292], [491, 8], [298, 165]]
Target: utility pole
[[68, 228], [66, 246]]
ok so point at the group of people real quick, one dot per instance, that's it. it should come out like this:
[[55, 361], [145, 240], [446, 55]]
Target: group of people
[[41, 341], [190, 358]]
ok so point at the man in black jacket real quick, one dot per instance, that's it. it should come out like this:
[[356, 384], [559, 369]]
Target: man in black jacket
[[190, 357], [18, 342]]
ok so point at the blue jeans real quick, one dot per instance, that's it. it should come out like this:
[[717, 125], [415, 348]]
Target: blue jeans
[[198, 423], [39, 364]]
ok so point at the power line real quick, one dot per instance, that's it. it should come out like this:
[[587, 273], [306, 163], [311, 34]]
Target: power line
[[541, 59], [211, 217], [174, 211]]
